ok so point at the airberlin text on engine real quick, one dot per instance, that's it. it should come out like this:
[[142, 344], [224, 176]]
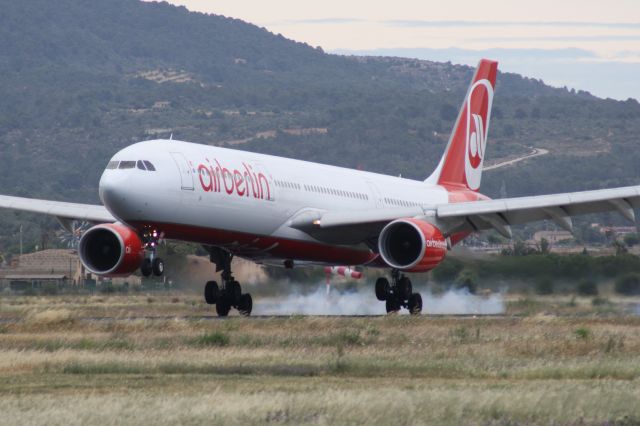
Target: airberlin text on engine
[[245, 182]]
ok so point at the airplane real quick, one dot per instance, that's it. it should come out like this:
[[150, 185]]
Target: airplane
[[288, 212]]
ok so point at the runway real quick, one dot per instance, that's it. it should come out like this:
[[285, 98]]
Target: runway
[[165, 318]]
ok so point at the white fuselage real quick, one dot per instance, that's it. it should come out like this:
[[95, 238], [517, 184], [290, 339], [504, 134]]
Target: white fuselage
[[245, 201]]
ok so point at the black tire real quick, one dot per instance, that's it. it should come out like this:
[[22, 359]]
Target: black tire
[[234, 291], [404, 288], [211, 292], [415, 304], [222, 306], [145, 269], [392, 305], [158, 267], [245, 305], [382, 289]]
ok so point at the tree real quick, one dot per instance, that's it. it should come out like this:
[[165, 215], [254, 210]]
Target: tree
[[448, 270], [448, 112], [628, 284], [544, 246], [620, 247], [587, 287], [544, 286], [468, 279], [631, 240]]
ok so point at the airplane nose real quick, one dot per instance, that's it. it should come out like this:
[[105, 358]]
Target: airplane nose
[[107, 188], [115, 191]]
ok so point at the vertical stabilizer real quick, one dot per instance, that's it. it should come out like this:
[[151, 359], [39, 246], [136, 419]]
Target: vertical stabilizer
[[461, 164]]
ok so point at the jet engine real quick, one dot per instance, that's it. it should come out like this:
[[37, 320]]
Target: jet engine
[[412, 245], [111, 250]]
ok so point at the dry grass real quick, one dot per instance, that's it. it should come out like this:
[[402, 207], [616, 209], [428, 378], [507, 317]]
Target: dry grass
[[57, 367]]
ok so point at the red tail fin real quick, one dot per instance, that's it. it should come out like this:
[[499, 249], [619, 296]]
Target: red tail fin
[[461, 164]]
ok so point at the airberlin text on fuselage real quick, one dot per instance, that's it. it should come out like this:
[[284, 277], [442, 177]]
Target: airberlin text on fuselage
[[245, 182]]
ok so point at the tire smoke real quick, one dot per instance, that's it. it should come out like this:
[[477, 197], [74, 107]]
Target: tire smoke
[[363, 302]]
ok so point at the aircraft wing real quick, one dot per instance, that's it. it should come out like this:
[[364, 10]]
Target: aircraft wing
[[482, 215], [499, 214], [63, 211]]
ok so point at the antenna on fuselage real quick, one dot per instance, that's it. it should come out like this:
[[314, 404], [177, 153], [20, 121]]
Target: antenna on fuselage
[[171, 137]]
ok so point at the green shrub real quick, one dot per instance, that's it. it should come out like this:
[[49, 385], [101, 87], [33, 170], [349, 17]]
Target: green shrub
[[631, 239], [107, 287], [544, 286], [628, 284], [582, 333], [50, 289], [600, 301], [587, 287], [467, 279], [448, 270], [213, 339]]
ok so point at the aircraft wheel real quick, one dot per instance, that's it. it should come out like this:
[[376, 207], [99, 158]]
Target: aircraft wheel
[[234, 291], [404, 288], [382, 289], [211, 292], [415, 304], [146, 268], [392, 305], [223, 306], [245, 305], [158, 267]]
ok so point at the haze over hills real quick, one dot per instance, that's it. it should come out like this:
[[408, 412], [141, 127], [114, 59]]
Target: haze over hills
[[80, 79]]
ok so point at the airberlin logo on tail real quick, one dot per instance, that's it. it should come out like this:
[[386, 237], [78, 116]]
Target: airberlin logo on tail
[[243, 182], [478, 114]]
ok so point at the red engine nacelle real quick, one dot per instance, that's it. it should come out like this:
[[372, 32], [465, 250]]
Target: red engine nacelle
[[111, 250], [412, 245]]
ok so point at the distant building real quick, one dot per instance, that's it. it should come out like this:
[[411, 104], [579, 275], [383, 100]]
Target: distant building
[[618, 231], [161, 104], [57, 266], [552, 236]]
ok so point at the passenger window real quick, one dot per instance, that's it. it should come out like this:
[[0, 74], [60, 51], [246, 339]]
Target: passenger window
[[150, 166], [127, 165], [112, 165], [140, 165]]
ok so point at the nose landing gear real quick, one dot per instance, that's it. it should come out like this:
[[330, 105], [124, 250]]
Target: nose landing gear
[[151, 264], [230, 295], [398, 294]]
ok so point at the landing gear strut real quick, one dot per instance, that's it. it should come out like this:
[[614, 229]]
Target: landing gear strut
[[398, 294], [230, 294], [152, 264]]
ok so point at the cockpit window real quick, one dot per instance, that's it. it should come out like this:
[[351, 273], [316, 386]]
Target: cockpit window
[[112, 165], [140, 165], [150, 166], [127, 165]]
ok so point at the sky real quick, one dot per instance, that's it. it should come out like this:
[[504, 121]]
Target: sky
[[591, 45]]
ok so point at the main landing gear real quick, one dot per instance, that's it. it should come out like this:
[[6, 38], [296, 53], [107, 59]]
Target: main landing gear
[[398, 294], [230, 294], [152, 264]]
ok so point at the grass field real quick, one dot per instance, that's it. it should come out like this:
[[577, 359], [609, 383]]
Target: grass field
[[547, 361]]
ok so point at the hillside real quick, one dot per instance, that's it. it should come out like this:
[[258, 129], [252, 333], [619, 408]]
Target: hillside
[[80, 79]]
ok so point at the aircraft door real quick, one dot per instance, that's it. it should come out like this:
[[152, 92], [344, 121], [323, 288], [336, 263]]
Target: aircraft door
[[375, 193], [186, 174]]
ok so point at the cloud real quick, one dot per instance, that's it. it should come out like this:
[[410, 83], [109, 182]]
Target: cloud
[[578, 24], [573, 38], [460, 23], [319, 21]]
